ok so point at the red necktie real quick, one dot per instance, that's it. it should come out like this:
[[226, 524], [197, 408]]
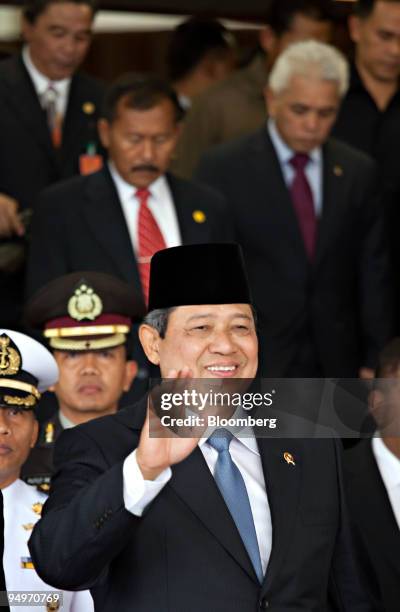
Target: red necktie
[[150, 239], [303, 203]]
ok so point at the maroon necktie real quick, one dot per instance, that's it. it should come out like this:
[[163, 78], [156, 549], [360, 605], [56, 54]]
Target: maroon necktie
[[150, 239], [303, 203]]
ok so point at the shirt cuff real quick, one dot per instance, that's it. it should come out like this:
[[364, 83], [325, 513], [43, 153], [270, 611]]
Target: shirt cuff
[[138, 492]]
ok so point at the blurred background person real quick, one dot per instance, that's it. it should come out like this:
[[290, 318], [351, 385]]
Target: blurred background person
[[27, 369], [307, 212], [48, 118], [369, 118], [201, 52], [372, 481], [235, 106], [86, 318]]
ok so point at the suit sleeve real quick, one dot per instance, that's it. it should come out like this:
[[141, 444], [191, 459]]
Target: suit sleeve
[[375, 285], [46, 254], [85, 523], [349, 590]]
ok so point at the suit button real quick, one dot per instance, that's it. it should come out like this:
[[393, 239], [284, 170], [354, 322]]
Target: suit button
[[264, 604]]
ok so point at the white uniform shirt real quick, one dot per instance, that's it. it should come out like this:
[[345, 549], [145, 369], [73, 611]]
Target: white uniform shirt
[[19, 518]]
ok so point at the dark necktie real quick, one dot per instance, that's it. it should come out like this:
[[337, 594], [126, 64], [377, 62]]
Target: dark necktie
[[150, 239], [233, 489], [303, 203]]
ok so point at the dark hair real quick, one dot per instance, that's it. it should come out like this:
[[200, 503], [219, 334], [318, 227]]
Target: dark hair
[[364, 8], [142, 91], [389, 359], [280, 13], [33, 8], [191, 41]]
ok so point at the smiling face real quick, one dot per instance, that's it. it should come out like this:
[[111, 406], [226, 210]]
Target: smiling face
[[377, 39], [91, 382], [141, 142], [213, 341], [18, 434], [59, 38], [304, 112]]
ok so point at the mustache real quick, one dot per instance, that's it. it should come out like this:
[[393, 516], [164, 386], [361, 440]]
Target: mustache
[[145, 168]]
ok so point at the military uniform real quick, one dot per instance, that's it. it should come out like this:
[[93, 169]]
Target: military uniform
[[22, 509]]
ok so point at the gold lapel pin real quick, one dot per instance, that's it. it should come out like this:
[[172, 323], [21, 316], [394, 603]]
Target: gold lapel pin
[[88, 108], [28, 526], [289, 458], [199, 216], [338, 171], [37, 508]]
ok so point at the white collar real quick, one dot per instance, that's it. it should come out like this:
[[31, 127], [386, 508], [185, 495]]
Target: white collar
[[65, 422], [126, 190], [40, 81], [388, 463], [283, 151], [245, 435]]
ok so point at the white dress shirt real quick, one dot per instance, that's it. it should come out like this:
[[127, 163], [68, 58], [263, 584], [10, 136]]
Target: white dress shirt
[[19, 501], [138, 493], [313, 170], [160, 204], [41, 83], [389, 468]]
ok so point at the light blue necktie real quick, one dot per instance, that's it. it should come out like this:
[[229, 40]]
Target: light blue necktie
[[233, 489]]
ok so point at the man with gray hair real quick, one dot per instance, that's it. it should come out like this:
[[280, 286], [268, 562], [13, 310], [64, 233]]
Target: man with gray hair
[[308, 216]]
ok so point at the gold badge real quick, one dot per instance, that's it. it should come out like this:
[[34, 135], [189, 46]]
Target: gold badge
[[53, 606], [85, 304], [338, 171], [27, 402], [26, 563], [88, 108], [10, 360], [289, 458], [49, 433], [37, 508], [28, 526], [199, 216]]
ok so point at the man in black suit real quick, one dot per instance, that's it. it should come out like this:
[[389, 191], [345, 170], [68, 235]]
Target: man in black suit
[[114, 220], [307, 215], [48, 117], [150, 520], [372, 482]]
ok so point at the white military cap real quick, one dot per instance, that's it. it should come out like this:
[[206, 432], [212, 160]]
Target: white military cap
[[26, 369]]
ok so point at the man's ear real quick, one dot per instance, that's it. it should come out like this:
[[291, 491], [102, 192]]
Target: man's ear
[[103, 128], [376, 401], [131, 368], [35, 433], [354, 24], [270, 101], [267, 39], [150, 340]]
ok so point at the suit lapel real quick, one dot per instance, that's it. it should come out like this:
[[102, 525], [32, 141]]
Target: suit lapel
[[193, 482], [190, 230], [269, 182], [106, 221], [333, 200], [23, 96], [282, 481]]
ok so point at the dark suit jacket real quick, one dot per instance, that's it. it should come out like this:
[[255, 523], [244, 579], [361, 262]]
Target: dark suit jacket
[[79, 225], [185, 552], [28, 161], [341, 301], [373, 522]]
